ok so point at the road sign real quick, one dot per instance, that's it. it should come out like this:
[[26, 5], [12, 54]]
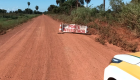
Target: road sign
[[74, 28]]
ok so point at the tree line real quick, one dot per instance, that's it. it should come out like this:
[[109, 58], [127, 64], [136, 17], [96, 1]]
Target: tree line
[[66, 6], [77, 2], [25, 11]]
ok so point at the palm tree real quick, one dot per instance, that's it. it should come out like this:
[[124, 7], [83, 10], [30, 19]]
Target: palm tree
[[87, 1], [104, 5], [28, 4], [57, 2], [36, 7]]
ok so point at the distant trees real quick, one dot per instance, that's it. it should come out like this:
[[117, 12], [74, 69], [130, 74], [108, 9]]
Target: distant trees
[[28, 4], [87, 1], [77, 2], [36, 7], [20, 11], [66, 6], [36, 11], [3, 11], [57, 2], [11, 12], [28, 11]]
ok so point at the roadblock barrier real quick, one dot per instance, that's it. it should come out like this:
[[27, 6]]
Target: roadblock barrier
[[60, 28], [73, 28]]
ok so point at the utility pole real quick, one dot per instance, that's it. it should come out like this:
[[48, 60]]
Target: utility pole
[[104, 5]]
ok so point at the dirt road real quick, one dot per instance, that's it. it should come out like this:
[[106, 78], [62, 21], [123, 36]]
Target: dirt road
[[34, 51]]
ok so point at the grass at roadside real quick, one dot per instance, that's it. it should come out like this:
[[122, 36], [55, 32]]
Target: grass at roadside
[[14, 20]]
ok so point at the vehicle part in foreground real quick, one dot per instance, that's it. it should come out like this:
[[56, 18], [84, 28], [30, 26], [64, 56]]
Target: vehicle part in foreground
[[123, 67]]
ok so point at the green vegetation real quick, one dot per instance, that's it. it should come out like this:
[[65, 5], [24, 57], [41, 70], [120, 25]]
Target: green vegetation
[[124, 15], [11, 19], [110, 35], [36, 7]]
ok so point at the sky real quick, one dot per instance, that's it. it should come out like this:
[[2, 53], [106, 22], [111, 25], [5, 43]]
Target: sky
[[12, 5]]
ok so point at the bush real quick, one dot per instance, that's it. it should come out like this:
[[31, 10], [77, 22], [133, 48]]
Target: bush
[[94, 12], [81, 15], [130, 17], [101, 40], [2, 30], [14, 17], [111, 36], [55, 10]]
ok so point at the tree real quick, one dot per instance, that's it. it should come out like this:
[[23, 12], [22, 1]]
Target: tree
[[28, 4], [11, 12], [71, 3], [27, 10], [135, 1], [80, 2], [3, 11], [57, 2], [116, 5], [87, 1], [77, 2], [60, 2], [51, 7], [36, 7], [101, 7], [19, 11]]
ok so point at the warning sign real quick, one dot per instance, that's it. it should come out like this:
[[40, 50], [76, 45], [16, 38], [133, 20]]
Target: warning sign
[[74, 28]]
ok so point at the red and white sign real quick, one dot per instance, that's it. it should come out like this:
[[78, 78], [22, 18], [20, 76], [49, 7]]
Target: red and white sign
[[74, 28], [68, 28], [81, 29]]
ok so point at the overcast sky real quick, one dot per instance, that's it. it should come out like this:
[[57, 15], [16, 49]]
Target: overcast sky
[[43, 4]]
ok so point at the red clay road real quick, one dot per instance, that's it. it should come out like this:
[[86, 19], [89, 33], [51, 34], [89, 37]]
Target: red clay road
[[34, 51]]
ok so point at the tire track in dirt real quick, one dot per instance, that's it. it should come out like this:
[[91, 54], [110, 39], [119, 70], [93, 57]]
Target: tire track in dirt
[[28, 60], [57, 67]]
